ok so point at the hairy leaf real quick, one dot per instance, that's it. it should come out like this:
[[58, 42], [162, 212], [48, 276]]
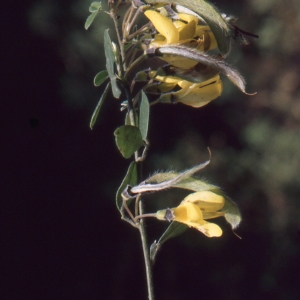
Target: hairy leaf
[[190, 183], [232, 213], [145, 186]]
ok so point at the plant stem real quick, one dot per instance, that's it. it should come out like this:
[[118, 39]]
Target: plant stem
[[148, 265], [145, 216], [130, 108], [115, 20], [135, 63]]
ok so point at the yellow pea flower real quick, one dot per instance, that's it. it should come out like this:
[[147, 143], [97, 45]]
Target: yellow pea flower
[[192, 94], [194, 210], [173, 33]]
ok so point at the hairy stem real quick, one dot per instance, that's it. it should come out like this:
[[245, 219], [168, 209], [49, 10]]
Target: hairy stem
[[130, 108], [148, 265], [115, 20]]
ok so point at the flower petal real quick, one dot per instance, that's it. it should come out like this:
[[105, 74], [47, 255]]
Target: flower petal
[[212, 214], [194, 94], [164, 26], [166, 87], [187, 31], [179, 61], [206, 201], [178, 24], [209, 40], [188, 213], [184, 83], [198, 97], [188, 18], [167, 79], [210, 229], [191, 215]]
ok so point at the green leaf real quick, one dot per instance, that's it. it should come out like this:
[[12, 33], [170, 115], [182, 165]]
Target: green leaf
[[197, 185], [110, 60], [99, 105], [90, 19], [144, 115], [129, 179], [210, 15], [127, 118], [95, 6], [128, 139], [94, 9], [100, 78], [174, 229], [232, 213]]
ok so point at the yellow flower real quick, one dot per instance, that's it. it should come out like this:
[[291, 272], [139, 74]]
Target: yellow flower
[[184, 32], [194, 210], [192, 94]]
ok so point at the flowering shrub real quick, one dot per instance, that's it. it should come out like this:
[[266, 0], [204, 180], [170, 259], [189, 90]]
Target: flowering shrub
[[187, 41]]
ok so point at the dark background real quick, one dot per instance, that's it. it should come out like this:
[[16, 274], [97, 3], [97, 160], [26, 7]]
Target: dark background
[[61, 234]]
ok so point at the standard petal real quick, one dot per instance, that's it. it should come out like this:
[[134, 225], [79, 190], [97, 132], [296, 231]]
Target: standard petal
[[188, 213], [207, 201], [164, 26]]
